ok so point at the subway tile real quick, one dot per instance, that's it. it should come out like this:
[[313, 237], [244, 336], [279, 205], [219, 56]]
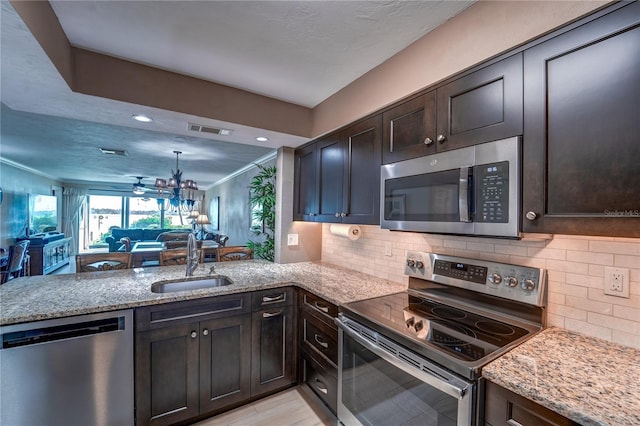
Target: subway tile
[[527, 261], [568, 244], [556, 298], [510, 250], [627, 312], [596, 270], [589, 305], [615, 247], [588, 328], [455, 244], [547, 253], [598, 294], [569, 289], [625, 261], [555, 320], [564, 266], [614, 323], [626, 339], [557, 276], [567, 311], [585, 280], [588, 257]]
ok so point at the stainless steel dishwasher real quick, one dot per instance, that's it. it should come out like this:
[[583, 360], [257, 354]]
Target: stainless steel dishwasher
[[68, 371]]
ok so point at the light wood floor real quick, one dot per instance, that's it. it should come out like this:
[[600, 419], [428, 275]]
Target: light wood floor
[[291, 407]]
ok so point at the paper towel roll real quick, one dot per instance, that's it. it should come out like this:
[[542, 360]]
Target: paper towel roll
[[352, 232]]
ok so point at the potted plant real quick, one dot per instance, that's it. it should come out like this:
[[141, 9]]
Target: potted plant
[[262, 201]]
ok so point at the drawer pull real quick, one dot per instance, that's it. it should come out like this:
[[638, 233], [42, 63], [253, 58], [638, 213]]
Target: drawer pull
[[321, 307], [321, 342], [267, 299], [271, 314], [321, 386]]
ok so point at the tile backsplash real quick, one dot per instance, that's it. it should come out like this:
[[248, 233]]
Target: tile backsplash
[[575, 266]]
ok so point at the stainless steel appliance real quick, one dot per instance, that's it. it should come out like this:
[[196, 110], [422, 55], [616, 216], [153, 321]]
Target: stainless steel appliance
[[68, 371], [468, 191], [415, 357]]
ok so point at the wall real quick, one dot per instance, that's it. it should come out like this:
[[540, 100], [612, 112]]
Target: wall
[[235, 218], [483, 30], [575, 265], [16, 185]]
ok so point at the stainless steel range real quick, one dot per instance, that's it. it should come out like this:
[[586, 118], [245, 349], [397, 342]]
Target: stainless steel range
[[415, 357]]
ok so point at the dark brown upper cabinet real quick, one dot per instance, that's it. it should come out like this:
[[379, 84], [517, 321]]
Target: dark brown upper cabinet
[[409, 129], [305, 187], [343, 184], [581, 168], [482, 106]]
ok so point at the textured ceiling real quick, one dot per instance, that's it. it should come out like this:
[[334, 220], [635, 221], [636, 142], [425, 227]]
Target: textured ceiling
[[301, 52]]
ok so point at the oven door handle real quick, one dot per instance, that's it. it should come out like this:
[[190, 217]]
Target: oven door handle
[[443, 382]]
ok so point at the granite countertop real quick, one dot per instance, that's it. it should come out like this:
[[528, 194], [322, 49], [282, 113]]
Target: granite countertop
[[588, 380], [53, 296]]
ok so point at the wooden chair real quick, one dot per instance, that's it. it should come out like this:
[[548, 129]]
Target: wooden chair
[[16, 262], [91, 262], [226, 254], [176, 257], [126, 242]]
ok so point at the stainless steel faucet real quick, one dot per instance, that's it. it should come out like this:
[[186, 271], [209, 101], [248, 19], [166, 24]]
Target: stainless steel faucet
[[193, 256]]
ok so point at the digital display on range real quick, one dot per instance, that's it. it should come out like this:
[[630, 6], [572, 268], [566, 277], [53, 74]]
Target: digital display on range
[[461, 271]]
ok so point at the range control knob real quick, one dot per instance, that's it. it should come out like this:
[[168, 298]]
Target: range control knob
[[511, 281], [411, 263], [418, 326], [495, 279], [528, 284], [410, 322], [419, 264]]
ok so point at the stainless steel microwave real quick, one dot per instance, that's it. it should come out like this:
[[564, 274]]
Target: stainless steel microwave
[[467, 191]]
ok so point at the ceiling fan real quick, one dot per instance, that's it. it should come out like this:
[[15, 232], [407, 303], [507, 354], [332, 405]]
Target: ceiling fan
[[139, 187]]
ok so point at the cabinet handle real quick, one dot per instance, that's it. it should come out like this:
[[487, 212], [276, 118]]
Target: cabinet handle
[[531, 215], [271, 314], [428, 141], [441, 138], [321, 386], [320, 307], [194, 334], [343, 214], [337, 214], [205, 332], [319, 341], [267, 299]]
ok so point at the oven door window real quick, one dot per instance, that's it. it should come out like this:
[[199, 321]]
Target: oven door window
[[429, 197], [375, 392]]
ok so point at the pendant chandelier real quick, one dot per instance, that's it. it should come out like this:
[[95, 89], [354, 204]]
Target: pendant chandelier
[[176, 195]]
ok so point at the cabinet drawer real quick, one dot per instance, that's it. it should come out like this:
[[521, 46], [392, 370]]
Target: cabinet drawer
[[151, 317], [322, 381], [282, 296], [327, 311], [317, 335]]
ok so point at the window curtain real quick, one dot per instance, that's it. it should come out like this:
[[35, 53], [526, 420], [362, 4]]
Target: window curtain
[[72, 201]]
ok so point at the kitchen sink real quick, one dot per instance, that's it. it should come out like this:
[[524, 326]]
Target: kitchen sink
[[191, 283]]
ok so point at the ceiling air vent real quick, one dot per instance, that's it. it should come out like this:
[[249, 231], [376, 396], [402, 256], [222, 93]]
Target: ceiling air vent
[[204, 129], [110, 151]]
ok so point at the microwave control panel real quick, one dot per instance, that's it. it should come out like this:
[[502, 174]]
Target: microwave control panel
[[492, 192]]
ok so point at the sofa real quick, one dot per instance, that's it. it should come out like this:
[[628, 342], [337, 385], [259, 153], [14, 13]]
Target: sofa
[[137, 235]]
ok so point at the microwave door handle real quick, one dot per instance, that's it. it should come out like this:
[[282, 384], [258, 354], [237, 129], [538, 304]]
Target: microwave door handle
[[463, 195]]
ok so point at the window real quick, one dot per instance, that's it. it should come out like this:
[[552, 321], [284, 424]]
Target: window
[[104, 212]]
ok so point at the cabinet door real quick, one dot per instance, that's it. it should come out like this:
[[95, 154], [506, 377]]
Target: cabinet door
[[362, 161], [409, 129], [331, 178], [167, 384], [483, 106], [225, 362], [305, 184], [272, 352], [581, 146]]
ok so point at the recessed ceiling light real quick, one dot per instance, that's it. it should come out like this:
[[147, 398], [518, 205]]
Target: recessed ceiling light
[[262, 139], [142, 118]]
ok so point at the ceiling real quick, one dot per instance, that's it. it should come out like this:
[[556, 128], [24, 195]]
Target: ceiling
[[300, 52]]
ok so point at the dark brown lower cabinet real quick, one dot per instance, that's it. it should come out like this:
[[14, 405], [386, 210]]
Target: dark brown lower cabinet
[[273, 351], [503, 407]]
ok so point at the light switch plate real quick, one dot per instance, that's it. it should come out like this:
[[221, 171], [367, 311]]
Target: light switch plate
[[292, 239]]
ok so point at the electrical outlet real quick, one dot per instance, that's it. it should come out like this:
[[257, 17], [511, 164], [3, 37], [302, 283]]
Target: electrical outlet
[[616, 281], [292, 239], [387, 248]]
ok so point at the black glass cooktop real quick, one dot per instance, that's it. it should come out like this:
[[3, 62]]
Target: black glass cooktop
[[462, 334]]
